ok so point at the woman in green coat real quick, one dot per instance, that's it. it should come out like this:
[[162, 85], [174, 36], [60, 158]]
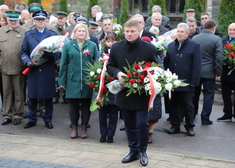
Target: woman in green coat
[[76, 53]]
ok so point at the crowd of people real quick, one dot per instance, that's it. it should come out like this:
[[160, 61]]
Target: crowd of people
[[195, 55]]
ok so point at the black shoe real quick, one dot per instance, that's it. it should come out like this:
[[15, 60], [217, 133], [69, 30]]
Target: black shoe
[[173, 130], [190, 132], [143, 158], [123, 128], [6, 121], [16, 121], [207, 123], [49, 125], [224, 118], [131, 157], [103, 138], [110, 139], [88, 125], [29, 124], [55, 101]]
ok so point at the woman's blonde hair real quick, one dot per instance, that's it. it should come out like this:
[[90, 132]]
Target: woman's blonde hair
[[79, 25]]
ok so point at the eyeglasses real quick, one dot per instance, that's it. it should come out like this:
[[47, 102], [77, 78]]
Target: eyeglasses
[[204, 18]]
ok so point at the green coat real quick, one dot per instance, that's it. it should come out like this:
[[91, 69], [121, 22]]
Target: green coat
[[72, 65]]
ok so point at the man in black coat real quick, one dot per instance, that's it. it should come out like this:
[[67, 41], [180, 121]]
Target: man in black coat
[[228, 81], [134, 106], [183, 58]]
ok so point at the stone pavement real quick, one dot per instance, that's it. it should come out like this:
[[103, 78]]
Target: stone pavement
[[25, 151]]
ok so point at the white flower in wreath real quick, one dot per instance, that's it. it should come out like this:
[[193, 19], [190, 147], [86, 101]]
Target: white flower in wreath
[[98, 70], [92, 73], [174, 76], [146, 80], [168, 86], [155, 77], [147, 86], [177, 83], [135, 85]]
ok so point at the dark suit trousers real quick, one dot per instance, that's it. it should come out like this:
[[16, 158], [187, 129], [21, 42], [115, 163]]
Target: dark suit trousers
[[137, 129], [108, 117], [182, 100], [227, 88], [33, 110]]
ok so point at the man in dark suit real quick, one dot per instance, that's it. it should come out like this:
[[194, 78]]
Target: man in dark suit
[[228, 81], [156, 20], [183, 58], [193, 29], [134, 106], [41, 79], [212, 58]]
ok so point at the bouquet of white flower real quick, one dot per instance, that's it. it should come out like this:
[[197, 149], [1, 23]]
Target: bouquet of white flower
[[51, 44]]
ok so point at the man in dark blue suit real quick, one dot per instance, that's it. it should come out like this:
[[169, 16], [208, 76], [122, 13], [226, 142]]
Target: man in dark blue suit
[[41, 79], [183, 58]]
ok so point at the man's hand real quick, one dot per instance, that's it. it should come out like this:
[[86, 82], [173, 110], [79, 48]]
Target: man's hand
[[119, 75], [47, 55], [30, 64]]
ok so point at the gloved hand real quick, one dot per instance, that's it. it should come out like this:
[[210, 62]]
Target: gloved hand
[[30, 64], [47, 55]]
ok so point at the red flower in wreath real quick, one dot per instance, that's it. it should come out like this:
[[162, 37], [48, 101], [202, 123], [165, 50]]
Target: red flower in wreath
[[132, 81], [91, 85], [128, 74], [137, 66], [232, 54], [136, 74], [98, 77]]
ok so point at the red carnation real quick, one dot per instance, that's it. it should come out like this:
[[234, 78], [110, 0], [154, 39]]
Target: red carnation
[[104, 89], [99, 77], [230, 47], [91, 85], [137, 66], [136, 74], [98, 102], [226, 45], [111, 79], [148, 64], [151, 72], [142, 77], [128, 74], [132, 81], [232, 54], [140, 82], [144, 72]]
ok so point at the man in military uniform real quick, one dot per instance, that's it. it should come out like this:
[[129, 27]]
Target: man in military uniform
[[41, 78], [34, 7], [61, 24], [12, 37]]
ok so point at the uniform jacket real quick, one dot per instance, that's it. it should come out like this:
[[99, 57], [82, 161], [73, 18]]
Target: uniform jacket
[[186, 62], [226, 70], [10, 47], [60, 30], [72, 73], [133, 52], [212, 54], [41, 80]]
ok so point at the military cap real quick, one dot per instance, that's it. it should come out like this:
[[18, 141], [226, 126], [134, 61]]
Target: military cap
[[81, 19], [93, 23], [60, 13], [40, 15], [33, 7], [190, 10], [48, 13], [13, 14]]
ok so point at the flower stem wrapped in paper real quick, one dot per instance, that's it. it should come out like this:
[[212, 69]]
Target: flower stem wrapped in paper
[[147, 78], [97, 78], [51, 44]]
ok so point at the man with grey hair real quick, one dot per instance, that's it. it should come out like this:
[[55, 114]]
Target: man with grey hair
[[143, 32], [193, 29], [107, 27], [156, 20], [186, 52], [3, 8], [165, 20], [94, 10]]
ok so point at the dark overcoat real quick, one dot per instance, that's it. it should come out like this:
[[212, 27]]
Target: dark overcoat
[[41, 80], [133, 52], [186, 62]]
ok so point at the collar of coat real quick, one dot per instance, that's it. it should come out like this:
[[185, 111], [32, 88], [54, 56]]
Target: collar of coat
[[183, 44], [75, 44], [130, 45], [8, 29]]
